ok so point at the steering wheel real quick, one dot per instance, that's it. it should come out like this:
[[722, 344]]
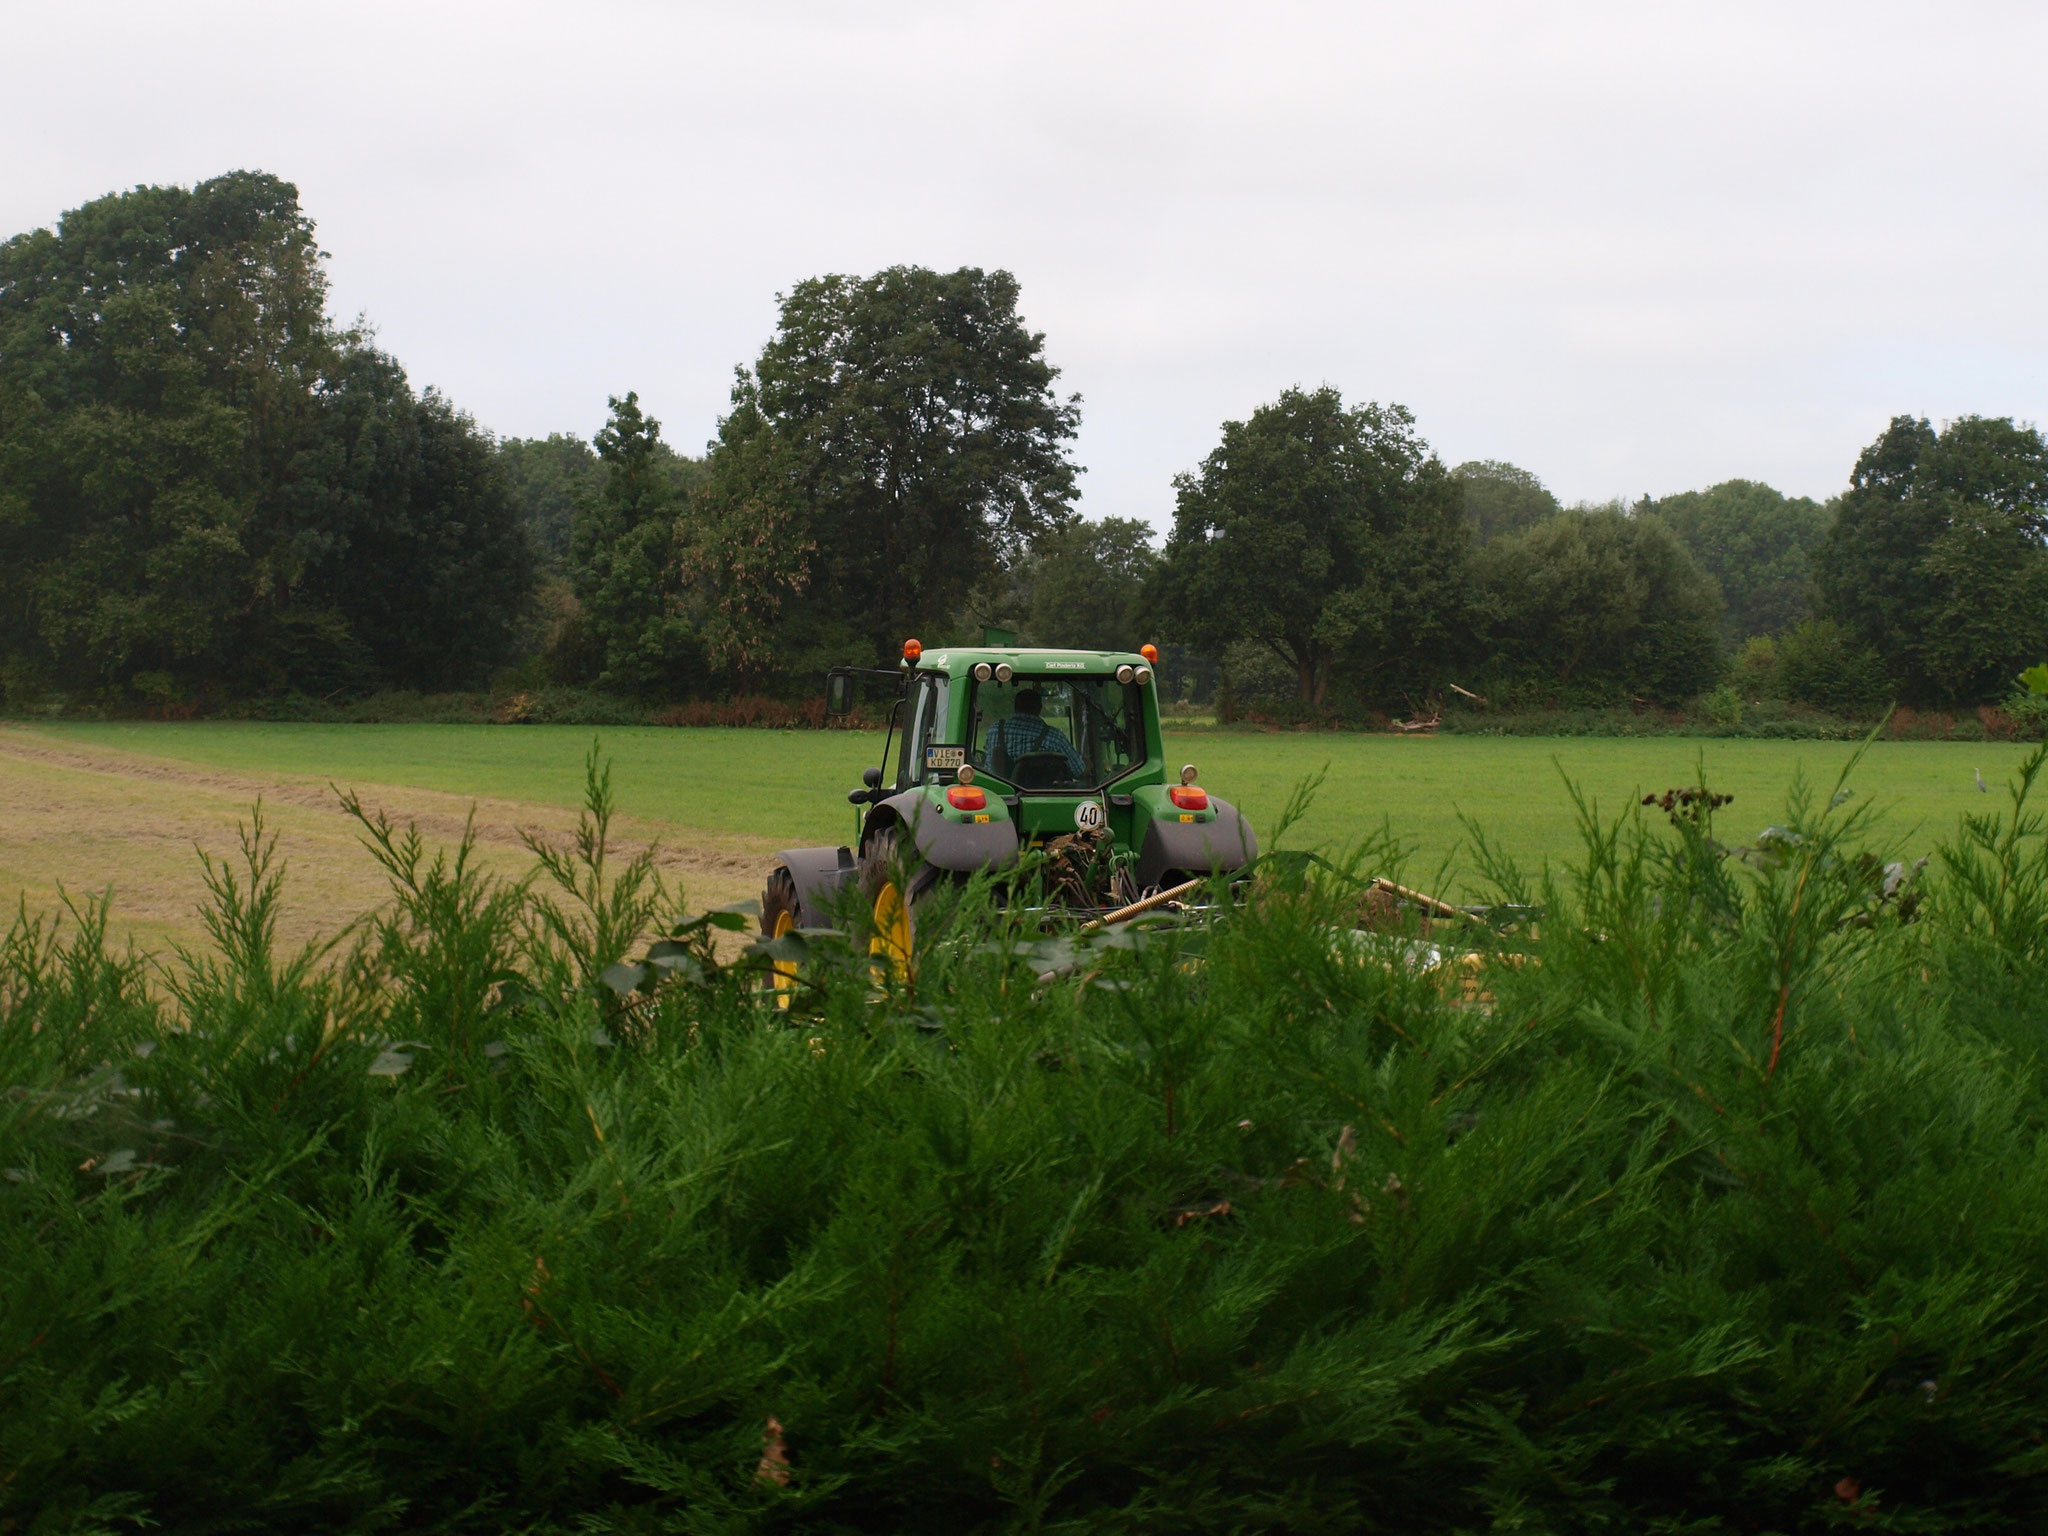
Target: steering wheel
[[1040, 770]]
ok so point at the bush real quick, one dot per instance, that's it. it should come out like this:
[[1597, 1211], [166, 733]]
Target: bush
[[1723, 706], [1753, 673], [2029, 713], [1255, 680], [1724, 1208], [1818, 664]]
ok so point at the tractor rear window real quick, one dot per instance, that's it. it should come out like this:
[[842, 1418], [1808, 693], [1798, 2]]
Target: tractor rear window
[[1057, 733]]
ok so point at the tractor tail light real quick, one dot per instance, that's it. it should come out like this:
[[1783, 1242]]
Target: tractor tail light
[[967, 798], [1189, 798]]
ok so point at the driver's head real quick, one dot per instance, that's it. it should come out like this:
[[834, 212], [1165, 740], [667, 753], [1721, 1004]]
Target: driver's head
[[1028, 701]]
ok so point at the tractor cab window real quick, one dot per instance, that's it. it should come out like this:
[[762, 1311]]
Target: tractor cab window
[[927, 725], [1056, 733]]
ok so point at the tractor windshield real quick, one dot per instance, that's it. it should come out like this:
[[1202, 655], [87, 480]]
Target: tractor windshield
[[1057, 733]]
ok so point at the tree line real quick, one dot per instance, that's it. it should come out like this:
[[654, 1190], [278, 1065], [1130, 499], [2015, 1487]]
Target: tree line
[[209, 490]]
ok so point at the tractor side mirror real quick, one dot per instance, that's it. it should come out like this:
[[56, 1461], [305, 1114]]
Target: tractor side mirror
[[838, 694]]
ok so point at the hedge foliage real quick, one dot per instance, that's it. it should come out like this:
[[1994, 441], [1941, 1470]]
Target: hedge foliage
[[1726, 1209]]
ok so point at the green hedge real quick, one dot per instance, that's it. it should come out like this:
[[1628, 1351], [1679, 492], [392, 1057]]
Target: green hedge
[[1725, 1209]]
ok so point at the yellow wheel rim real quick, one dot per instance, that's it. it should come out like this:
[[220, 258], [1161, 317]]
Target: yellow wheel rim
[[782, 973], [892, 940]]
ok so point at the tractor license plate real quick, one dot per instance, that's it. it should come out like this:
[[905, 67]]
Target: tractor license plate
[[944, 759]]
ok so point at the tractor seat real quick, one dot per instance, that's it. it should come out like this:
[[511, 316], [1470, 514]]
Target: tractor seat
[[1040, 770]]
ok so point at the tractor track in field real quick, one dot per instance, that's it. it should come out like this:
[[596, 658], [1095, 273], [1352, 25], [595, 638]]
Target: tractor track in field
[[440, 816]]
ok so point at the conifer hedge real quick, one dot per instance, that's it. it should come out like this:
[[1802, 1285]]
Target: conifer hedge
[[1724, 1209]]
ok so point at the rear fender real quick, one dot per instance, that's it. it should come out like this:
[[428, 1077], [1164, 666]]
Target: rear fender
[[820, 875], [1200, 848], [945, 843]]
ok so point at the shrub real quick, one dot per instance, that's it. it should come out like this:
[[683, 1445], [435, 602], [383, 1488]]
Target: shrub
[[1723, 706], [2028, 712], [2027, 705], [1753, 673], [1818, 664], [1726, 1208]]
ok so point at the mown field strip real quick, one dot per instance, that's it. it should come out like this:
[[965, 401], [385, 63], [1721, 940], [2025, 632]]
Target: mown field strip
[[80, 817], [124, 804]]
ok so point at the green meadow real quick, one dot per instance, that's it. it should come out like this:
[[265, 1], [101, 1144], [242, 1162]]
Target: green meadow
[[789, 787]]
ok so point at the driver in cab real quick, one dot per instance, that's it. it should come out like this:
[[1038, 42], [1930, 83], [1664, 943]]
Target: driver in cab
[[1024, 732]]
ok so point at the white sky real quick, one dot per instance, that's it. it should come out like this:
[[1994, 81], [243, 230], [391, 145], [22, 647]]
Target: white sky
[[1632, 247]]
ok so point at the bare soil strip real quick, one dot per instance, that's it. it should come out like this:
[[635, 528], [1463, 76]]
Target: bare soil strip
[[82, 820]]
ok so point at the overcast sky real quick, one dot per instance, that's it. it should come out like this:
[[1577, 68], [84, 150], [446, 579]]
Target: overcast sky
[[1631, 247]]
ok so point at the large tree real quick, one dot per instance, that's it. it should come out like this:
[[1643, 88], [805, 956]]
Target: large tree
[[625, 553], [747, 553], [428, 565], [1324, 533], [550, 476], [1936, 560], [188, 502], [1599, 605], [1757, 545], [1087, 583], [162, 353], [1500, 498], [906, 429]]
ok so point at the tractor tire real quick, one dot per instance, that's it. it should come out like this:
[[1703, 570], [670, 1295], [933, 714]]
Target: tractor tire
[[893, 884], [779, 917]]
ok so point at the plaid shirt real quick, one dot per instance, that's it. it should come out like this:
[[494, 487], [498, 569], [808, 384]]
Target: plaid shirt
[[1011, 738]]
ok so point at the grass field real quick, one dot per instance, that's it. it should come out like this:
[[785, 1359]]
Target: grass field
[[124, 804]]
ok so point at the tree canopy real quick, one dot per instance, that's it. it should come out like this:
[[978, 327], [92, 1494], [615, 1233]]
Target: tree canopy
[[1499, 498], [550, 477], [904, 430], [205, 487], [1599, 603], [1324, 533], [625, 554], [1757, 544], [1087, 585], [1936, 559]]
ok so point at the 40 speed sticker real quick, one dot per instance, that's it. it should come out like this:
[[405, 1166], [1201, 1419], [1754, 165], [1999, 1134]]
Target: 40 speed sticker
[[1088, 815]]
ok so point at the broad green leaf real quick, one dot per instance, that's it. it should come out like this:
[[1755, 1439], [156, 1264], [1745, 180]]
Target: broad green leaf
[[681, 963], [624, 977], [733, 919]]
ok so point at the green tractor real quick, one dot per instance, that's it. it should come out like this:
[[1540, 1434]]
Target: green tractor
[[992, 752]]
